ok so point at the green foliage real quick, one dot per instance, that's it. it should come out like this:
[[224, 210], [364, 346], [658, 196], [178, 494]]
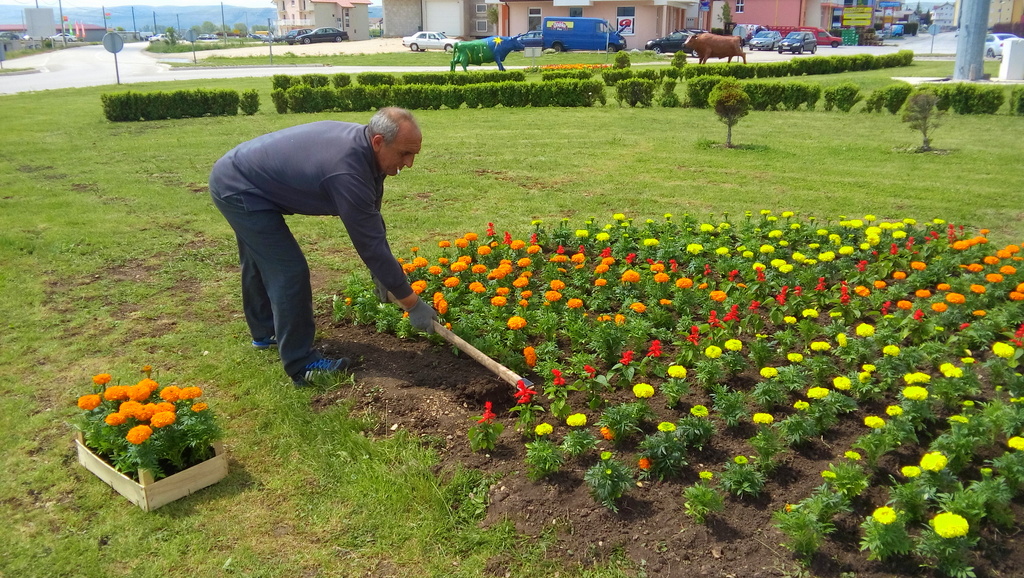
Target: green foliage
[[579, 74], [634, 92], [250, 102], [846, 478], [890, 98], [341, 80], [135, 106], [666, 451], [808, 522], [968, 98], [577, 442], [842, 96], [730, 104], [702, 500], [679, 59], [768, 444], [1017, 101], [608, 481], [376, 79], [543, 458], [613, 76], [698, 90], [742, 479], [696, 431], [730, 405], [885, 540], [483, 434], [622, 60], [624, 419], [315, 80], [281, 81]]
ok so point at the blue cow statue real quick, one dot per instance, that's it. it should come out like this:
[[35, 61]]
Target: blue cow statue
[[490, 49]]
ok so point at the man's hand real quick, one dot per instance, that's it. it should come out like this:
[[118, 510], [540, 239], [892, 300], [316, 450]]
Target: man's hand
[[422, 316], [379, 290]]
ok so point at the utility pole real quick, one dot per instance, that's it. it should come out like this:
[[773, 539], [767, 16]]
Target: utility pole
[[970, 40], [135, 27]]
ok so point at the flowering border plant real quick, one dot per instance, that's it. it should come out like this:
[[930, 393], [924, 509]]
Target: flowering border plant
[[144, 426]]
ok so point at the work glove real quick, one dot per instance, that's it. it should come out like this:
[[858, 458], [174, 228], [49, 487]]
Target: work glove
[[379, 290], [422, 316]]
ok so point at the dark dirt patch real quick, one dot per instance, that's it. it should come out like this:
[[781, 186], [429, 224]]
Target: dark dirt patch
[[433, 393]]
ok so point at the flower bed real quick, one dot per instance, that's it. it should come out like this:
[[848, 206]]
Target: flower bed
[[783, 327]]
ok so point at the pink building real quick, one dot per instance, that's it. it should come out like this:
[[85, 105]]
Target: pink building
[[784, 13]]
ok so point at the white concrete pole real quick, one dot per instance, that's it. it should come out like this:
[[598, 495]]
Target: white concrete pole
[[970, 40]]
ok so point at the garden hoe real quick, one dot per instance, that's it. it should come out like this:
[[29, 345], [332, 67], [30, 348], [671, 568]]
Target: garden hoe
[[498, 369]]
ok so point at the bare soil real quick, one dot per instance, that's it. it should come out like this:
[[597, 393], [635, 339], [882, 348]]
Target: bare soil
[[433, 393]]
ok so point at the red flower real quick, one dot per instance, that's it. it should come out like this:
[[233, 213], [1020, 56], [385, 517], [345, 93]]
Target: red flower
[[734, 314], [627, 358], [694, 336], [893, 249], [490, 229], [607, 252], [508, 238], [781, 297], [754, 305], [560, 250], [713, 319], [559, 380], [674, 265], [918, 315], [590, 371], [821, 284], [655, 349], [489, 415], [885, 308], [533, 239], [760, 273], [798, 290], [644, 463], [861, 266], [707, 270], [733, 274], [964, 326], [523, 393], [630, 258], [910, 243]]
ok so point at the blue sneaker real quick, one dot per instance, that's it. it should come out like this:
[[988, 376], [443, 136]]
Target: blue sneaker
[[320, 367], [265, 343]]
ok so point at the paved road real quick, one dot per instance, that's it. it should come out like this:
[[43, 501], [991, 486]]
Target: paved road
[[94, 66]]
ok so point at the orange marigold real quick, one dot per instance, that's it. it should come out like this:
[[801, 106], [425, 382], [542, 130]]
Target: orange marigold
[[444, 244], [435, 270], [620, 319], [521, 282], [879, 284], [420, 262], [600, 282], [526, 294], [991, 260], [129, 408], [443, 260], [451, 282], [516, 323], [470, 236], [524, 262], [530, 355], [1003, 254], [483, 250], [191, 392], [574, 303], [518, 244], [552, 296], [478, 268], [939, 307], [149, 384], [975, 267], [607, 433], [477, 287], [419, 286], [144, 412], [904, 304], [1016, 296], [684, 283], [899, 275], [556, 285], [644, 463], [101, 378], [461, 243], [459, 266], [638, 307], [524, 303], [138, 392], [198, 407], [165, 406], [442, 307], [917, 265], [979, 313], [1008, 270], [578, 258], [533, 249], [608, 261], [665, 301], [116, 393], [862, 291], [955, 298], [717, 296], [994, 278], [630, 276], [923, 293], [702, 286], [499, 301], [408, 268], [115, 419], [975, 288], [658, 268], [661, 278], [601, 269], [89, 402], [558, 259], [503, 291], [162, 418], [139, 434]]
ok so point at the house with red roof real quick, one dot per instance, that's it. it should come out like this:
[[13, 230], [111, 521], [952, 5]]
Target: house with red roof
[[351, 16]]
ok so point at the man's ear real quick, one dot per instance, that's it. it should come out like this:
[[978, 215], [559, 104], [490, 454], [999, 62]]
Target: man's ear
[[377, 141]]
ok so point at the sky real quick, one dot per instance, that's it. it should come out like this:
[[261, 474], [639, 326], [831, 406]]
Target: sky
[[112, 3]]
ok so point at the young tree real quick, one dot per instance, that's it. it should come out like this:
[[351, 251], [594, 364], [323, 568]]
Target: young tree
[[730, 104], [726, 13], [921, 114]]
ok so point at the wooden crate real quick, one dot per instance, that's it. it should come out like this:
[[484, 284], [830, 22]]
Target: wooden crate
[[150, 495]]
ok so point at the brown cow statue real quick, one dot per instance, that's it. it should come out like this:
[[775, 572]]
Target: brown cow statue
[[706, 46]]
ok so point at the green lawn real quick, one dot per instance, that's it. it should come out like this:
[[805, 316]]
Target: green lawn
[[113, 257]]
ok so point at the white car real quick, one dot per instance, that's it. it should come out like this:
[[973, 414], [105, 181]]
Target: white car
[[423, 40], [62, 37], [994, 44], [157, 37]]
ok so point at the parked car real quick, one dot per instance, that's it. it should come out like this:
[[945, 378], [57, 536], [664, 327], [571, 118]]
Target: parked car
[[291, 35], [158, 37], [765, 40], [423, 40], [63, 36], [572, 33], [821, 36], [994, 44], [207, 37], [532, 39], [671, 43], [12, 36], [327, 34], [746, 32], [799, 41]]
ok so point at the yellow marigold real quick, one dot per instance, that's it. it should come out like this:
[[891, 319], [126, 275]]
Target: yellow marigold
[[801, 405], [198, 407], [89, 402], [699, 411], [684, 283], [933, 461], [1016, 442], [817, 392], [820, 346], [894, 410], [910, 471], [190, 392], [949, 525], [101, 378], [638, 307], [643, 390], [733, 344], [576, 420], [677, 372], [667, 426], [574, 303], [865, 330], [162, 418], [630, 276], [139, 434], [1004, 350], [763, 418], [516, 323], [543, 429], [841, 383], [884, 515], [874, 422], [769, 372], [915, 392], [115, 419], [713, 352]]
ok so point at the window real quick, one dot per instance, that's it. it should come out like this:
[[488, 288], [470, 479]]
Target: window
[[623, 11], [481, 9], [575, 12], [739, 6], [481, 26], [534, 19]]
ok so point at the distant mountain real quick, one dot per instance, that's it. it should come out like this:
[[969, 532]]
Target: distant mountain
[[144, 16]]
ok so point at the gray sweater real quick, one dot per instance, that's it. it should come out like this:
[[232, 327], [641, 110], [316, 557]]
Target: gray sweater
[[320, 168]]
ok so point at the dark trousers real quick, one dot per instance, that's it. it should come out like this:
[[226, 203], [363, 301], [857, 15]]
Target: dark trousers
[[276, 295]]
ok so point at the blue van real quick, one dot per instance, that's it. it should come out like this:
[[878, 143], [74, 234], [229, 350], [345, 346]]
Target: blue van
[[565, 33]]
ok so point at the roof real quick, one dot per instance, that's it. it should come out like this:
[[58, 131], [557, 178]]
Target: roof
[[343, 3], [69, 25]]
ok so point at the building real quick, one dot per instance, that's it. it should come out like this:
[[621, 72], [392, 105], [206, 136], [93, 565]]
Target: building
[[1003, 14], [351, 16], [943, 16], [638, 21]]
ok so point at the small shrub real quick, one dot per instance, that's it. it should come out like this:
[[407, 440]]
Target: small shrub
[[669, 99], [611, 77], [679, 59], [730, 104], [922, 115], [842, 96], [315, 80], [376, 79], [698, 89], [250, 102], [890, 98], [622, 60], [341, 80], [634, 92]]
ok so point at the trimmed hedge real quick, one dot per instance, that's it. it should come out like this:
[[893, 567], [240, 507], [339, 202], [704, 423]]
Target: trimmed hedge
[[250, 102], [581, 74], [698, 89], [890, 98], [135, 106], [1017, 100], [341, 80], [842, 96], [635, 91], [967, 98], [766, 95], [800, 66]]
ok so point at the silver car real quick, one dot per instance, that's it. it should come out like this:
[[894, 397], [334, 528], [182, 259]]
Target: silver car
[[765, 40]]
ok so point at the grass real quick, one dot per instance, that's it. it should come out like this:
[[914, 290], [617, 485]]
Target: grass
[[115, 258]]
